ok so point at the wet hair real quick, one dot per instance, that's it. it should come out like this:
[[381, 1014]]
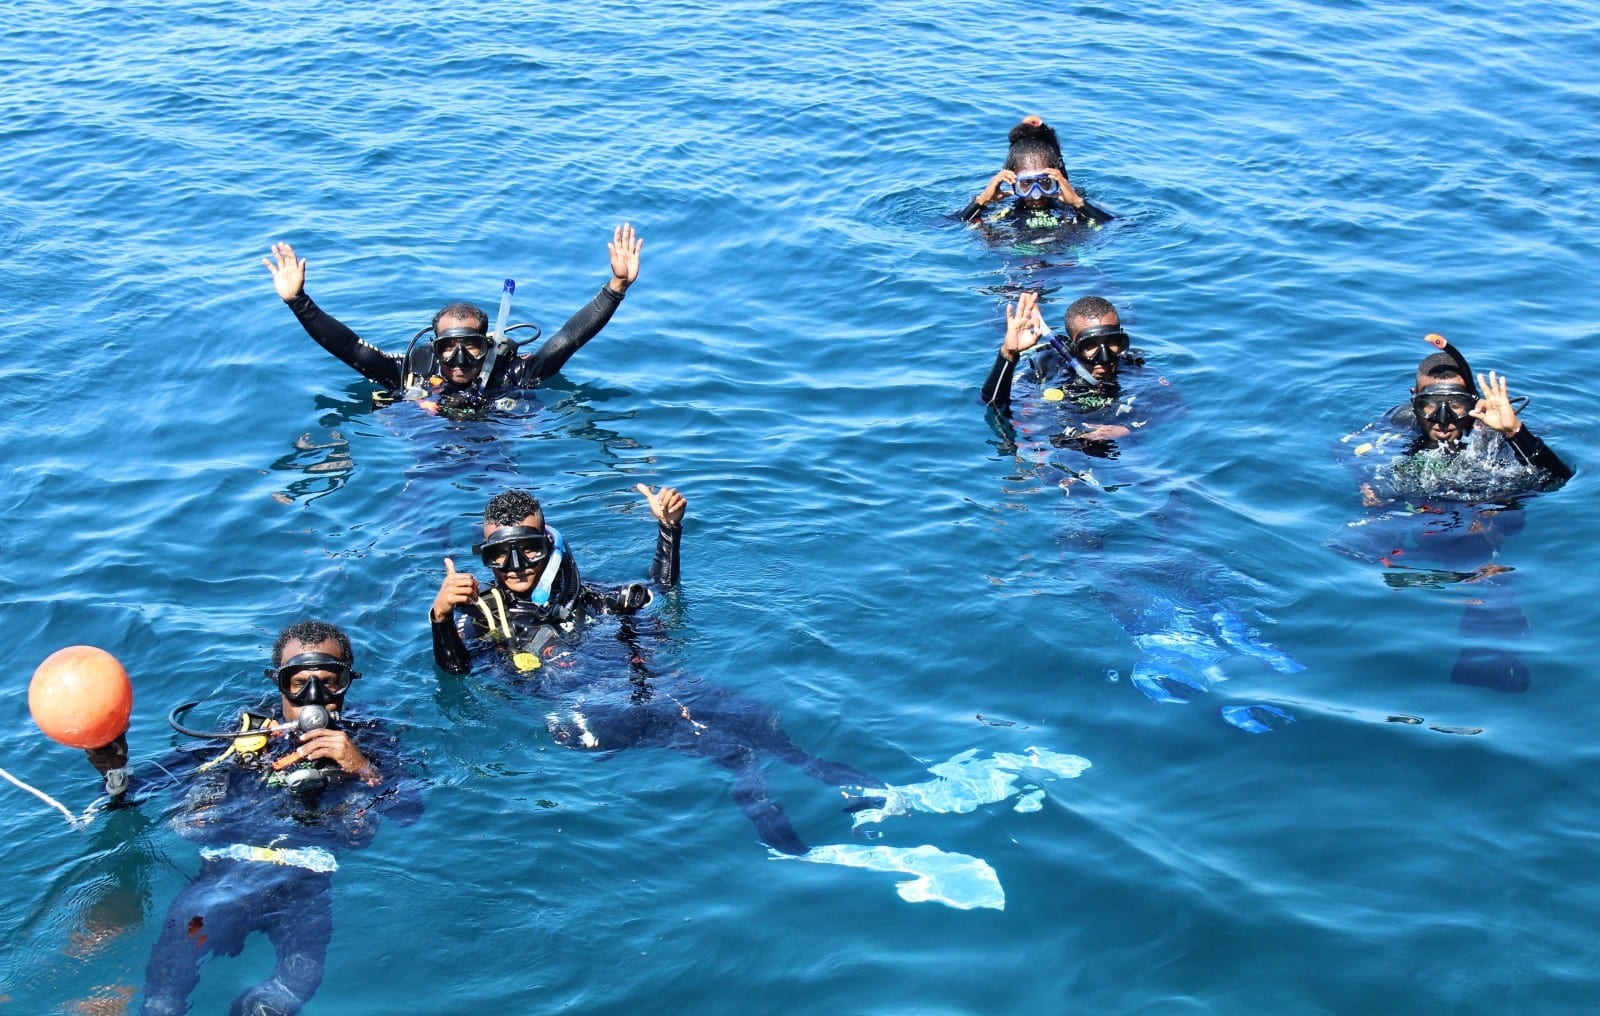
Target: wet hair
[[466, 310], [1034, 141], [1088, 307], [310, 633], [510, 507], [1439, 368]]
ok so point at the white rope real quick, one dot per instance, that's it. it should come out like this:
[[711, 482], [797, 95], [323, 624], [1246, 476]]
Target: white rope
[[41, 795]]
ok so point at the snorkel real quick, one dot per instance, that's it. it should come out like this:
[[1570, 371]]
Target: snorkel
[[1452, 404], [497, 335], [1443, 345]]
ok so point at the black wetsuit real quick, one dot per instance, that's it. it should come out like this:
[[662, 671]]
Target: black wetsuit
[[268, 856], [573, 603], [1442, 517], [1530, 450], [608, 697], [523, 371], [1054, 216], [1129, 401]]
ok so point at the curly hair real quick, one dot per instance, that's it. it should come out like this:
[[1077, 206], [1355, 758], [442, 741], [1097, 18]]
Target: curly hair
[[1034, 141], [1087, 307], [510, 507], [311, 633]]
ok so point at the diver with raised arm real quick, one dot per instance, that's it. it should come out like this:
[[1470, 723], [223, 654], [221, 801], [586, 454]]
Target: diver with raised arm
[[535, 614], [455, 364], [1080, 375], [1445, 475]]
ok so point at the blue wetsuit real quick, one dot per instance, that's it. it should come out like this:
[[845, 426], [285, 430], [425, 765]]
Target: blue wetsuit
[[268, 855]]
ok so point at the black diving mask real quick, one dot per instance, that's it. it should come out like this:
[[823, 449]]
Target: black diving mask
[[1444, 405], [313, 679], [461, 348], [1100, 345], [514, 548]]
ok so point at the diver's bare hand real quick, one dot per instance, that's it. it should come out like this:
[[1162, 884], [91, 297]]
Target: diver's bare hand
[[624, 249], [336, 745], [991, 192], [1104, 432], [288, 272], [1068, 193], [457, 589], [666, 504], [1024, 326], [1494, 409]]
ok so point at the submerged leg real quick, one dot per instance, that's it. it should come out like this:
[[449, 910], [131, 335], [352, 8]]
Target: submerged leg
[[750, 794], [300, 926], [207, 916], [1495, 618]]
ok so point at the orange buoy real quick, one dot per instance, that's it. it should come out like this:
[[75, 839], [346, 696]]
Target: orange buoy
[[81, 697]]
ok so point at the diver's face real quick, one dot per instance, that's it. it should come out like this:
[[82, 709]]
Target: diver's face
[[523, 580], [467, 372], [1440, 427], [1102, 368], [293, 648], [1034, 187]]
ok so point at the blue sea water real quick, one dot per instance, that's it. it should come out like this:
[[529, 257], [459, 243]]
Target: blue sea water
[[1305, 189]]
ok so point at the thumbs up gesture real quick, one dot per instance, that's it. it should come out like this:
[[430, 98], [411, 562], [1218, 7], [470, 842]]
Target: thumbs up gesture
[[666, 504], [457, 589]]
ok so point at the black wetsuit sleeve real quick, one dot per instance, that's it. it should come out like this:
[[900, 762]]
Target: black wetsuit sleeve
[[997, 386], [971, 212], [1093, 212], [449, 651], [369, 361], [1537, 455], [635, 596], [558, 349], [664, 569]]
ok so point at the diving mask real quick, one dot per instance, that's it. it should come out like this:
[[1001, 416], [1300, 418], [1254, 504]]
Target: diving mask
[[1036, 185], [313, 679], [1101, 344], [461, 348], [514, 548], [1444, 405]]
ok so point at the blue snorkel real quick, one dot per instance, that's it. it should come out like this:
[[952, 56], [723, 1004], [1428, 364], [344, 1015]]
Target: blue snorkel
[[541, 593]]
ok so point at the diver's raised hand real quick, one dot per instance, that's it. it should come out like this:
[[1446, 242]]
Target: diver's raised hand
[[991, 192], [1069, 194], [1494, 409], [666, 504], [458, 589], [288, 271], [1024, 326], [624, 249]]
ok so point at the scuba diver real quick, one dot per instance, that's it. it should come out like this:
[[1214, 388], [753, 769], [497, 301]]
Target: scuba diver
[[269, 811], [1081, 376], [462, 363], [1448, 498], [536, 614], [1036, 176]]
